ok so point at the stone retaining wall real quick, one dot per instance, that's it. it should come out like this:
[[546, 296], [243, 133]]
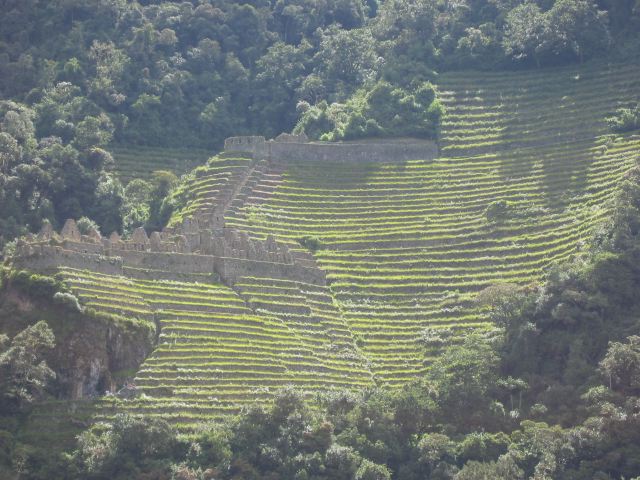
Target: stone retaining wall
[[232, 269], [392, 151], [164, 265], [47, 258]]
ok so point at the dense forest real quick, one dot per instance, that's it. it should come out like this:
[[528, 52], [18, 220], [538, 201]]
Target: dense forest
[[552, 392]]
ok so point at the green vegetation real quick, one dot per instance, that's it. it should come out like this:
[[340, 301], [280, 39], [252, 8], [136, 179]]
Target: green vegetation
[[480, 318], [311, 243], [46, 177], [52, 179], [497, 211], [58, 290], [215, 355], [23, 372], [383, 111], [406, 247], [549, 392], [140, 163], [625, 119], [160, 84]]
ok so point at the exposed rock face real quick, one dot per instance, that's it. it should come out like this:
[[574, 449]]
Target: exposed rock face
[[90, 359], [90, 353]]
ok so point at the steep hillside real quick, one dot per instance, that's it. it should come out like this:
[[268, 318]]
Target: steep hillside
[[510, 111], [524, 177], [219, 350], [406, 246]]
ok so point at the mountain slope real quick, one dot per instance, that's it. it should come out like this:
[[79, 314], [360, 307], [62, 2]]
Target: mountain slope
[[406, 246]]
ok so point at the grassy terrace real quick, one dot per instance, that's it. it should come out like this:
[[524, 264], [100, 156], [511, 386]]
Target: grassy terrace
[[407, 246], [140, 162], [215, 354], [207, 186], [511, 110]]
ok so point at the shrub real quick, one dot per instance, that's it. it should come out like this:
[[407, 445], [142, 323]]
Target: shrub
[[67, 299], [311, 243], [497, 211], [625, 119], [38, 285], [8, 250], [436, 337], [383, 110], [121, 448], [85, 224], [372, 471]]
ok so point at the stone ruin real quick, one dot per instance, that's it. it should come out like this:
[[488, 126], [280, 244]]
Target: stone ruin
[[190, 237], [190, 248], [288, 147], [202, 244]]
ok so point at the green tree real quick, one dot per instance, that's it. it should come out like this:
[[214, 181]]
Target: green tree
[[505, 467], [405, 31], [346, 59], [135, 214], [107, 208], [369, 470], [124, 447], [464, 377], [93, 132], [160, 207], [621, 366], [110, 63], [279, 73], [526, 26], [10, 152], [25, 374], [577, 27]]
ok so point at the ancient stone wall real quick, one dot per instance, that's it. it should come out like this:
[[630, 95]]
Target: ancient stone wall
[[189, 253], [186, 263], [202, 247], [287, 148], [46, 258], [352, 152], [232, 269], [252, 144]]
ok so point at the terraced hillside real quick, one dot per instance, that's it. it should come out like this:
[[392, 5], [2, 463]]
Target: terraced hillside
[[407, 246], [218, 352], [141, 162]]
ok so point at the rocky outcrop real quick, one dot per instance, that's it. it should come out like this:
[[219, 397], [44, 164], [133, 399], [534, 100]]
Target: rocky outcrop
[[93, 354]]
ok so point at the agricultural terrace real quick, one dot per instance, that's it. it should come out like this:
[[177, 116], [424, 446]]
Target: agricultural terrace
[[133, 162], [215, 354], [407, 246]]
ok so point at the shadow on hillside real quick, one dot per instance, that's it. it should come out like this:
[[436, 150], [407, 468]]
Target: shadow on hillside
[[348, 176], [565, 173]]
